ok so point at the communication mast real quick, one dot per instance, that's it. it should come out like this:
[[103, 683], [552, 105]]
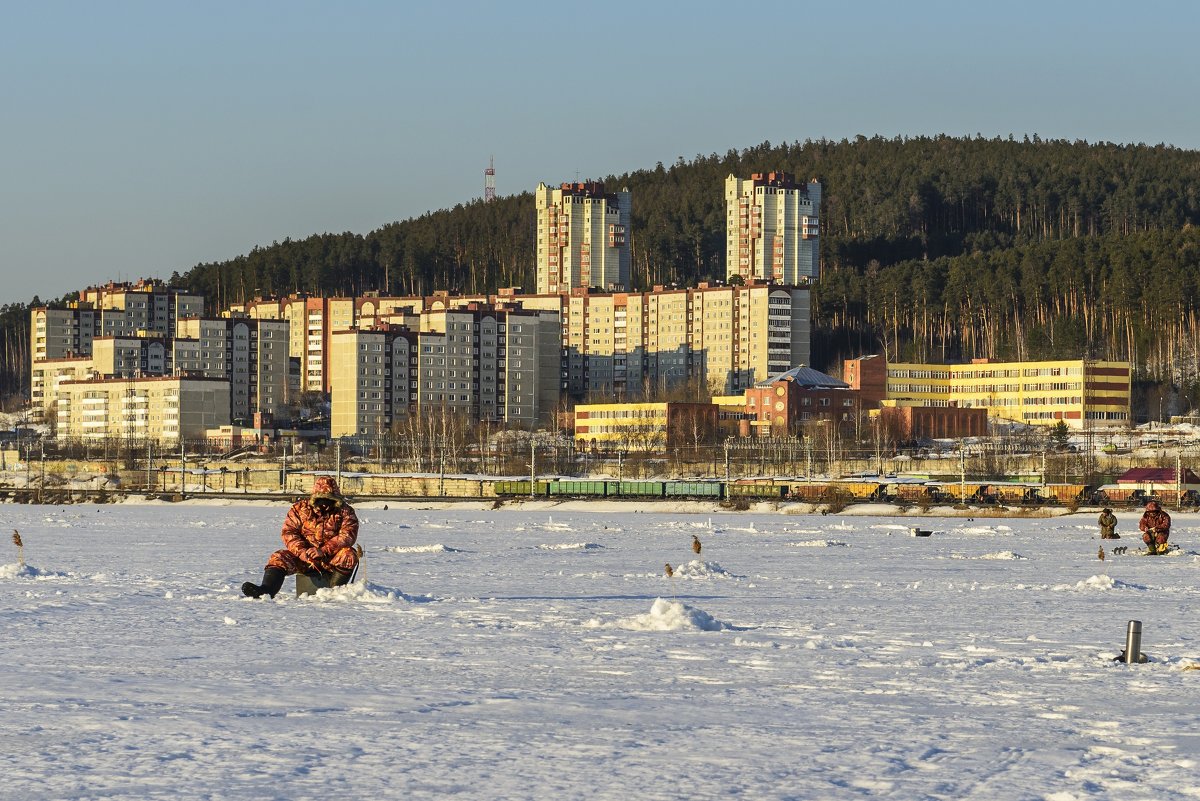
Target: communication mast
[[489, 181]]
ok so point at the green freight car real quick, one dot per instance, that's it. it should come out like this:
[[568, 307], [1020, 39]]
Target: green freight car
[[693, 489], [584, 489], [521, 488], [641, 489]]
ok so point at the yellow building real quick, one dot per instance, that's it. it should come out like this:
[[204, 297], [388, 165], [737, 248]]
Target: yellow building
[[131, 410], [646, 427], [1080, 392]]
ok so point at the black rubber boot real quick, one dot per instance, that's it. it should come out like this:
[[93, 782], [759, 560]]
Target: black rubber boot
[[272, 582]]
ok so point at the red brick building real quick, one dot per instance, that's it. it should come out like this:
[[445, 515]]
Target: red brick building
[[780, 405]]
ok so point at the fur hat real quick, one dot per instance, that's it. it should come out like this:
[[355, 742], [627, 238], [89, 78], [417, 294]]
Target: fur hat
[[1153, 505], [326, 487]]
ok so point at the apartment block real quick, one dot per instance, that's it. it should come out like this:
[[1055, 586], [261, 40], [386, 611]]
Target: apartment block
[[253, 355], [312, 321], [130, 308], [772, 228], [160, 409], [1083, 393], [476, 362], [726, 338], [372, 372], [582, 237]]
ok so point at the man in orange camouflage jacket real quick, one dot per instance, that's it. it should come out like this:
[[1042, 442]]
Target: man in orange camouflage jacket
[[318, 537], [1156, 528]]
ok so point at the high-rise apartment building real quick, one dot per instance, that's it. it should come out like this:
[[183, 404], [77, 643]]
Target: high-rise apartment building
[[479, 363], [252, 354], [635, 344], [117, 312], [582, 237], [126, 309], [772, 228], [313, 321]]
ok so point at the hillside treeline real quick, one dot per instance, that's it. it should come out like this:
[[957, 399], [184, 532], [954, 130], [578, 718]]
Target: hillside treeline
[[931, 247]]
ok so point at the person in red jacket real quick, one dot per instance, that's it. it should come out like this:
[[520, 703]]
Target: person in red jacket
[[318, 537], [1156, 528]]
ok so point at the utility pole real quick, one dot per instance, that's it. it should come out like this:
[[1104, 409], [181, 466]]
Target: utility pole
[[962, 459], [532, 468], [283, 476], [339, 463]]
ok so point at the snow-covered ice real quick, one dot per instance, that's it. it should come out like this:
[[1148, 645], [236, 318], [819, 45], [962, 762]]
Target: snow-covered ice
[[499, 659]]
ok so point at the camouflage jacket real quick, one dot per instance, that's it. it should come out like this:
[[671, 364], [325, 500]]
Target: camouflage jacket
[[305, 529], [1156, 520]]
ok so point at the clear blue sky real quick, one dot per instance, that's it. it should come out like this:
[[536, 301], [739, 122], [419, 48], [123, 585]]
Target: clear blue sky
[[141, 138]]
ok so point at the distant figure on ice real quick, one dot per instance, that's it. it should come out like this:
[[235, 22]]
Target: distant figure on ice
[[1156, 528], [696, 546], [1108, 525], [318, 537]]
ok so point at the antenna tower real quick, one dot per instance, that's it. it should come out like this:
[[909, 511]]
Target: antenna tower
[[489, 181]]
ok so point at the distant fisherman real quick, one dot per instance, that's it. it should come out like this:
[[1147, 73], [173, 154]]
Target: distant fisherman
[[1108, 525]]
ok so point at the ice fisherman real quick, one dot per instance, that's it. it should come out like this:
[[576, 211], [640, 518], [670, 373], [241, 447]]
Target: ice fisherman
[[1155, 527], [319, 533], [1108, 525]]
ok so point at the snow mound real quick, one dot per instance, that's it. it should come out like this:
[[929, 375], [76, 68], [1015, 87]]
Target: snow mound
[[843, 526], [436, 548], [1096, 583], [818, 544], [890, 527], [358, 592], [15, 571], [979, 530], [998, 555], [667, 615], [571, 546], [697, 569]]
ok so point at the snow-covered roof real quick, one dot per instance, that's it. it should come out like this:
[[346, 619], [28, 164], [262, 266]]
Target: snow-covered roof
[[807, 378]]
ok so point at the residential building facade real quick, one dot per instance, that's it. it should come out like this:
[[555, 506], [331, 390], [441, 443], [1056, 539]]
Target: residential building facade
[[134, 410], [772, 228], [477, 362], [252, 354], [582, 237]]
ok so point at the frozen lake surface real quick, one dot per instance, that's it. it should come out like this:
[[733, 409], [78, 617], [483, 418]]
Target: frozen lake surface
[[517, 654]]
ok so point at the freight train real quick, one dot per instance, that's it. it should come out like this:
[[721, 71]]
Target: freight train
[[882, 490]]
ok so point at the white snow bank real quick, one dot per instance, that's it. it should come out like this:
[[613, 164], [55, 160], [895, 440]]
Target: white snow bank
[[15, 571], [818, 544], [571, 546], [1096, 583], [671, 616], [697, 569], [358, 592], [995, 555], [435, 548]]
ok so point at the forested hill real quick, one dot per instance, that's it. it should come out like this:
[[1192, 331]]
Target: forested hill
[[931, 247]]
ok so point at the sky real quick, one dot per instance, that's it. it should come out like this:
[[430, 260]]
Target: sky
[[140, 139]]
